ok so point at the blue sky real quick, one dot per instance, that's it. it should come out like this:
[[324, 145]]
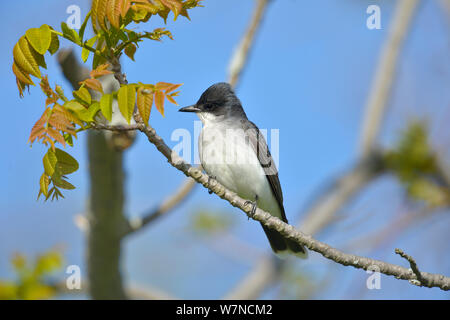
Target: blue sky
[[309, 75]]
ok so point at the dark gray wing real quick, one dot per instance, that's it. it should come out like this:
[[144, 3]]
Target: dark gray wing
[[259, 145]]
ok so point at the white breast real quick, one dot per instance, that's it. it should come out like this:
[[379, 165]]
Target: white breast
[[226, 155]]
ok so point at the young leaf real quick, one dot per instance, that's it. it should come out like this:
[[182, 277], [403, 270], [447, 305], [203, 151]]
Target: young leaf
[[49, 162], [59, 90], [144, 103], [85, 52], [54, 44], [70, 34], [66, 164], [43, 183], [101, 13], [83, 95], [40, 38], [130, 50], [74, 106], [159, 101], [93, 84], [63, 184], [83, 26], [113, 13], [106, 106], [56, 135], [69, 139], [101, 70], [21, 75], [173, 87], [25, 59], [93, 109], [171, 99], [124, 6], [174, 5], [94, 14], [126, 98]]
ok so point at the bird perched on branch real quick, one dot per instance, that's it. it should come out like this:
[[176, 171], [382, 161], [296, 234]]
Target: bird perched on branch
[[234, 152]]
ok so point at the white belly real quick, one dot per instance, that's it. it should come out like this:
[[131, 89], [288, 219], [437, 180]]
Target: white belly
[[228, 158]]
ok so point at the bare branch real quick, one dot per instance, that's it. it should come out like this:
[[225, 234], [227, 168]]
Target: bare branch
[[241, 53], [344, 189], [385, 74], [413, 265], [166, 206]]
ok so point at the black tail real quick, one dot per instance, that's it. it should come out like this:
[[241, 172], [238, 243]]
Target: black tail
[[281, 245]]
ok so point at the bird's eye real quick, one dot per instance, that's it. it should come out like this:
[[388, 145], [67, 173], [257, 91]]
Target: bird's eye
[[208, 106]]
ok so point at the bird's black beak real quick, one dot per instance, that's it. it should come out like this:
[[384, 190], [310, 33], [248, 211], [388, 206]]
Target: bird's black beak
[[192, 108]]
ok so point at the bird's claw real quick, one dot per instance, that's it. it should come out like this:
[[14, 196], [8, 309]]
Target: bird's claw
[[254, 206], [209, 183]]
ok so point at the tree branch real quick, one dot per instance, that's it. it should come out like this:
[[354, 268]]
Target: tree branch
[[241, 53], [385, 73], [164, 207], [413, 265], [429, 280]]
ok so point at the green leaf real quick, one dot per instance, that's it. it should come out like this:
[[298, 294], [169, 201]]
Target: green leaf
[[85, 52], [83, 26], [130, 50], [68, 138], [59, 90], [43, 183], [70, 34], [63, 184], [83, 95], [74, 106], [50, 161], [54, 44], [93, 109], [66, 164], [25, 58], [40, 38], [81, 111], [106, 106], [126, 97]]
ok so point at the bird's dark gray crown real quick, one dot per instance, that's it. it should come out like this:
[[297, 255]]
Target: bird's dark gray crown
[[220, 99]]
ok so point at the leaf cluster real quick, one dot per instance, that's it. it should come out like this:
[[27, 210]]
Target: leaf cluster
[[415, 164], [32, 277], [62, 118]]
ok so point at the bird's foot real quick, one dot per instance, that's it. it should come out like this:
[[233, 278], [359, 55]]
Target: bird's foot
[[209, 183], [254, 206]]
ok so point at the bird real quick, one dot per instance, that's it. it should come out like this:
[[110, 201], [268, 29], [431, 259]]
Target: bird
[[234, 152]]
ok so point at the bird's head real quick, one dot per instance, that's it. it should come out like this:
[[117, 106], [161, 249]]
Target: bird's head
[[218, 102]]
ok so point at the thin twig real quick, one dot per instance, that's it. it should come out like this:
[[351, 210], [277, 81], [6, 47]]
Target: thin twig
[[413, 265], [166, 206]]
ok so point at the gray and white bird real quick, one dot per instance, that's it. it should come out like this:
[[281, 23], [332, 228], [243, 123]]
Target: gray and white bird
[[234, 152]]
